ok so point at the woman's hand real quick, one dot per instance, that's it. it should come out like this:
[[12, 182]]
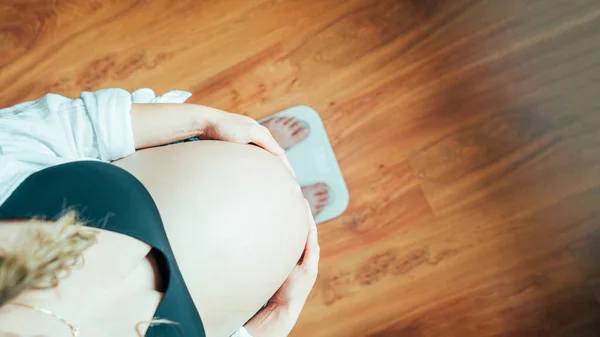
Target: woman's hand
[[159, 124], [283, 309], [294, 291], [238, 128]]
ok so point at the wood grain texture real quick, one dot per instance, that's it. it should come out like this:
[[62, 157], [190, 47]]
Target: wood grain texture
[[467, 132]]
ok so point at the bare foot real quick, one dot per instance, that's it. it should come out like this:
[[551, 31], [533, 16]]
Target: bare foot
[[317, 196], [287, 131]]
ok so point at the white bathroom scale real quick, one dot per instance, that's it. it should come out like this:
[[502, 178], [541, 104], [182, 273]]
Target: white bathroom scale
[[314, 162]]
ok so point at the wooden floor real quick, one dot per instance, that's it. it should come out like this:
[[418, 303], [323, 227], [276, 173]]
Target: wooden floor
[[468, 133]]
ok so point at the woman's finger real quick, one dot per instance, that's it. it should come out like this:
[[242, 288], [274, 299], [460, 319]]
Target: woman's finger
[[266, 141], [312, 225], [270, 141], [312, 251]]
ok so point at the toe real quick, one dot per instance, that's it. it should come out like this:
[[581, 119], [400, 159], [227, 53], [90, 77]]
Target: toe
[[280, 121], [301, 134], [295, 125], [319, 209], [321, 187], [295, 128], [322, 195], [288, 120], [268, 122]]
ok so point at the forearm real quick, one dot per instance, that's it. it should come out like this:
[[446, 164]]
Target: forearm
[[159, 124], [272, 321]]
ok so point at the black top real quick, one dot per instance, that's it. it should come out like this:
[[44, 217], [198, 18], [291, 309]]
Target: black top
[[100, 191]]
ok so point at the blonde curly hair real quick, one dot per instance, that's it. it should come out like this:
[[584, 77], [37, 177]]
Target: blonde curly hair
[[43, 254]]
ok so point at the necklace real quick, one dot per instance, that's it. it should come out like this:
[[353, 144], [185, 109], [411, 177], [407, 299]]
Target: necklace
[[74, 330]]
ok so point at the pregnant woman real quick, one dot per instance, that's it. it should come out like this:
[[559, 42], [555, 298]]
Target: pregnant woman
[[105, 233]]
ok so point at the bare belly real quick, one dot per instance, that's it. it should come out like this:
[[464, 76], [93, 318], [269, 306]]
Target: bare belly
[[236, 221]]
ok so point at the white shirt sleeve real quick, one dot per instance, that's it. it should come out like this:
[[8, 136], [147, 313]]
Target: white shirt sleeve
[[109, 135], [61, 127], [56, 129], [242, 332], [95, 126]]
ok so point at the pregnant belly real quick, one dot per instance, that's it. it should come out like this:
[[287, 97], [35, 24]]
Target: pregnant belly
[[235, 218]]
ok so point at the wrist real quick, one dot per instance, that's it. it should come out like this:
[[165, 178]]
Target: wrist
[[273, 321], [204, 118]]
